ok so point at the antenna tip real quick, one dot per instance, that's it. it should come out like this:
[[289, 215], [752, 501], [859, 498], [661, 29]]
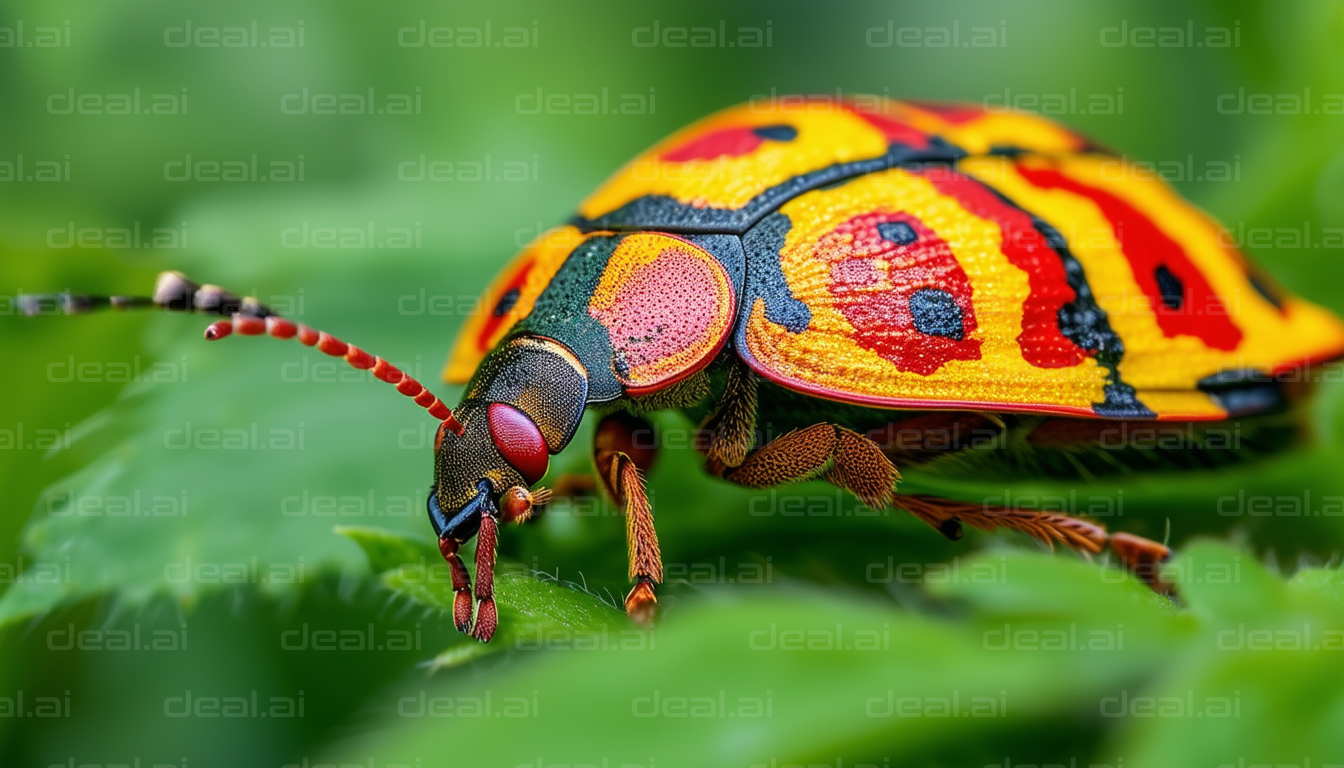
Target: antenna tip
[[218, 330]]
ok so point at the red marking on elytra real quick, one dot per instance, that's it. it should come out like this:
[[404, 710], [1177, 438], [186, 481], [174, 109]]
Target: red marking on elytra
[[519, 441], [876, 300], [1042, 343], [893, 130], [1202, 313], [739, 140]]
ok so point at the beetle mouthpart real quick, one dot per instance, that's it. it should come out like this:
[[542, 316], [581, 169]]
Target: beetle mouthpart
[[461, 584], [518, 503]]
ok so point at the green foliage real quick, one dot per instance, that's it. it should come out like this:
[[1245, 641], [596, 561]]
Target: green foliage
[[1043, 648]]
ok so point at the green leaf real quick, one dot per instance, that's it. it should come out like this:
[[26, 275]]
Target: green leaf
[[531, 610]]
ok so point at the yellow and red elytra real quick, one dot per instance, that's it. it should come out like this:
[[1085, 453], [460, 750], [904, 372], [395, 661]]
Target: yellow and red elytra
[[854, 273], [1080, 286]]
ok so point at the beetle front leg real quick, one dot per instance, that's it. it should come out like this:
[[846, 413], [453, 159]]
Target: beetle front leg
[[461, 585], [623, 450], [487, 616]]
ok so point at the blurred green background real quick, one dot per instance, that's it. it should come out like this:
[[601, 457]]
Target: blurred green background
[[261, 635]]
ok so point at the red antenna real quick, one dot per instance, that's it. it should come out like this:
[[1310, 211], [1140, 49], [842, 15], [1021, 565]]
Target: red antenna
[[280, 328], [174, 292]]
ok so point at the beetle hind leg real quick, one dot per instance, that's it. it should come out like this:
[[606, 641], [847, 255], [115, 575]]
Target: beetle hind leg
[[623, 452], [1141, 556]]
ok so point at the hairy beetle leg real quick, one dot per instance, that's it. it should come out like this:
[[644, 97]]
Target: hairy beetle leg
[[1143, 557], [841, 456], [730, 431], [622, 452], [487, 616], [461, 585]]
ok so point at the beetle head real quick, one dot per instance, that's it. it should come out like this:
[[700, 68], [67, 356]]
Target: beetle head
[[523, 404], [485, 469]]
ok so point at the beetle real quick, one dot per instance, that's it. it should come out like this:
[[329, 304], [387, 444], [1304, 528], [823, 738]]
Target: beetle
[[829, 292]]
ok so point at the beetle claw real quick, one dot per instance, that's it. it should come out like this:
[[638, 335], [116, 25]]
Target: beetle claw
[[487, 620], [641, 604], [462, 612]]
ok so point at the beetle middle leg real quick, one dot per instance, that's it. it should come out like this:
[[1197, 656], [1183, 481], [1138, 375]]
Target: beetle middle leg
[[624, 450], [730, 431], [837, 454]]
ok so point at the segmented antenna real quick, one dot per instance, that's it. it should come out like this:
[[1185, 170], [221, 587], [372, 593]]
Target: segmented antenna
[[247, 317]]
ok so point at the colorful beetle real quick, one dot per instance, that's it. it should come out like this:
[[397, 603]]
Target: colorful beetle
[[869, 284]]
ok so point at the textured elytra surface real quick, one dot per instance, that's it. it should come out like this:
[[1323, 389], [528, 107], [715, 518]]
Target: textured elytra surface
[[907, 301], [829, 355], [667, 307], [726, 172], [1088, 292]]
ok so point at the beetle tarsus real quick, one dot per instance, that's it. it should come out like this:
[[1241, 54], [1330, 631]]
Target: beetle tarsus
[[951, 528], [642, 603], [1144, 558]]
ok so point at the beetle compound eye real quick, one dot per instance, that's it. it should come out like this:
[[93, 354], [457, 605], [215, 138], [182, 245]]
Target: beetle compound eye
[[519, 441]]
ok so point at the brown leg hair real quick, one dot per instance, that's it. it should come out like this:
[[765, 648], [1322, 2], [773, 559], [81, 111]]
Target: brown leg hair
[[730, 431], [853, 462], [842, 456], [487, 617], [1142, 556], [622, 453]]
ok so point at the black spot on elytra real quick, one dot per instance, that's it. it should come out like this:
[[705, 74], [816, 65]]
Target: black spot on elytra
[[506, 302], [897, 232], [1085, 323], [936, 313], [776, 132], [1173, 291]]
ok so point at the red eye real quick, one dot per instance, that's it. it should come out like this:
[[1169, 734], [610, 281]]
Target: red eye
[[519, 441]]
